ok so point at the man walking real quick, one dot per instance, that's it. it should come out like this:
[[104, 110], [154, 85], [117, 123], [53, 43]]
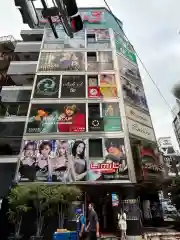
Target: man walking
[[80, 221], [93, 225]]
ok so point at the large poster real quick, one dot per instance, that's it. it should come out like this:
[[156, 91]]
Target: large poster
[[134, 94], [73, 87], [53, 160], [61, 61], [113, 166], [54, 118], [47, 86], [172, 165], [129, 70]]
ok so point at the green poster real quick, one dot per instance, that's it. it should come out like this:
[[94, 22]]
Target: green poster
[[112, 124]]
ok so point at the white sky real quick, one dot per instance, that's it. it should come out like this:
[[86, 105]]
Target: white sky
[[152, 27]]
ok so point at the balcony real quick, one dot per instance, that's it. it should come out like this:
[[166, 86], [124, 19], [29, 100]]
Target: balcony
[[21, 68], [22, 79], [99, 66], [7, 43], [32, 35], [102, 45]]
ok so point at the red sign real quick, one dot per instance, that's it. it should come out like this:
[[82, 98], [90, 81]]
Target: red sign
[[105, 167], [94, 92]]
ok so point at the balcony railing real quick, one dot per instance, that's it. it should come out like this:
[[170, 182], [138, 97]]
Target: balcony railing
[[99, 45], [99, 66]]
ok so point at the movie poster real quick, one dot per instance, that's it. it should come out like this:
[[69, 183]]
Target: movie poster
[[53, 160], [113, 166], [47, 86], [55, 118]]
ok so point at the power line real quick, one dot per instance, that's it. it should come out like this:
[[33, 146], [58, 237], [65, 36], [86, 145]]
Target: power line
[[148, 73]]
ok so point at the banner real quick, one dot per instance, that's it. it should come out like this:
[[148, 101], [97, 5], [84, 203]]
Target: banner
[[95, 124], [134, 94], [138, 116], [141, 131], [54, 118], [73, 87], [114, 166], [54, 160], [47, 86], [94, 92], [61, 61]]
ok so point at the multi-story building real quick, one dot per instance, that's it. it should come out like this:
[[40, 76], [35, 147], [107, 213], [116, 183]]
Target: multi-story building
[[7, 46], [82, 101]]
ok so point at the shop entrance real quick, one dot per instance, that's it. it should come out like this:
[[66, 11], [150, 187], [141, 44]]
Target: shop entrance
[[107, 213]]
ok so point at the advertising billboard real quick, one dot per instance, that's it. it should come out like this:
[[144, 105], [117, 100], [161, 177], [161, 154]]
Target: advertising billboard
[[138, 116], [67, 161], [111, 117], [47, 86], [172, 165], [106, 89], [53, 160], [134, 95], [73, 87], [113, 166], [150, 162], [54, 118], [141, 131], [129, 70], [124, 47], [61, 61]]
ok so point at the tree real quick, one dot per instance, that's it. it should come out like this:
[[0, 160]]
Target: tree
[[40, 202], [18, 199], [60, 197]]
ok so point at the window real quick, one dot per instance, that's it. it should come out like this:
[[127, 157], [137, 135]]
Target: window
[[10, 146], [91, 56], [94, 110], [73, 87], [11, 129], [95, 148], [13, 109], [91, 38], [15, 95]]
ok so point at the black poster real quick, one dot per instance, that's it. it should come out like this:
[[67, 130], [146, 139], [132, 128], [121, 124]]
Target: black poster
[[73, 87], [47, 87], [96, 124]]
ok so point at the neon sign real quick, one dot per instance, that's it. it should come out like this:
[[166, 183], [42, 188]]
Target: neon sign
[[90, 17]]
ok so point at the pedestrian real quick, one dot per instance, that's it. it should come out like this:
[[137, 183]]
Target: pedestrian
[[122, 224], [93, 225], [80, 221]]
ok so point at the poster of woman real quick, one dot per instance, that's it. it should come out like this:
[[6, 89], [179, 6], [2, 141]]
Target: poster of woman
[[56, 160]]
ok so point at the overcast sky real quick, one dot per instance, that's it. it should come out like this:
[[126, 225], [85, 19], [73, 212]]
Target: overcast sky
[[152, 27]]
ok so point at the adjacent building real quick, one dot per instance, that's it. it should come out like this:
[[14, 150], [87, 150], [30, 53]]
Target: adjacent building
[[81, 101]]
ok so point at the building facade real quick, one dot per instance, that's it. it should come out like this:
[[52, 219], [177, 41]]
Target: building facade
[[81, 101]]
